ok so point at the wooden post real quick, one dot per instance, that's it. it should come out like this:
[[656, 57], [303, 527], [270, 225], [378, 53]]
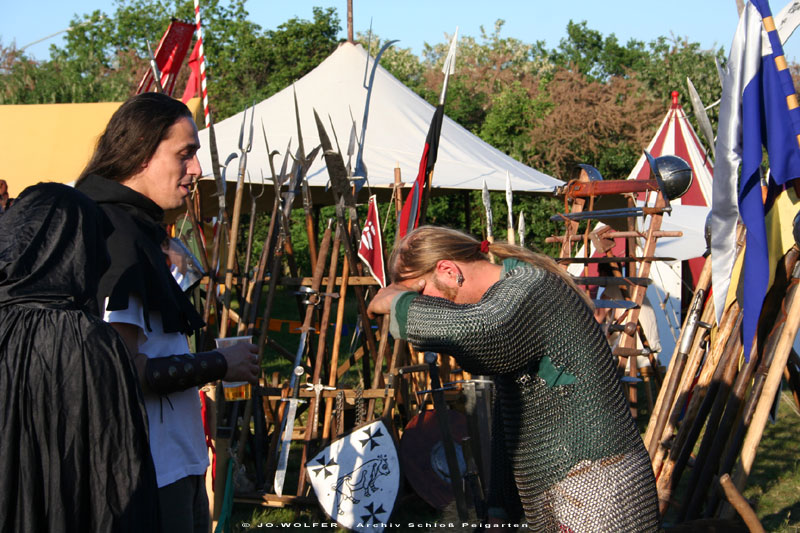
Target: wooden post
[[398, 195], [772, 383], [350, 22]]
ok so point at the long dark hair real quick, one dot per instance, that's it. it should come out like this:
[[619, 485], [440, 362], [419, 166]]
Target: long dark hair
[[133, 135]]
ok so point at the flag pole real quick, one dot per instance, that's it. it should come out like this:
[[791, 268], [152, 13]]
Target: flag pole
[[448, 69], [203, 88]]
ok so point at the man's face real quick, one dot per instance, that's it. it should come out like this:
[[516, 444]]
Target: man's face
[[434, 286], [3, 187], [169, 174]]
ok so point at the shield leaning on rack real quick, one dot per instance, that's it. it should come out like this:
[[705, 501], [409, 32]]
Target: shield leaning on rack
[[357, 477]]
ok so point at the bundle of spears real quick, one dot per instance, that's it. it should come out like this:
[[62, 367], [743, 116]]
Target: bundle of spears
[[711, 389], [313, 405]]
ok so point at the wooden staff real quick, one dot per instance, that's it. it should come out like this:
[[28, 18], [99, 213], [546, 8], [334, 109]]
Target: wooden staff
[[740, 504], [713, 405], [398, 195], [763, 359], [693, 363], [245, 147], [376, 378], [664, 478], [337, 340], [666, 395], [313, 407], [792, 305]]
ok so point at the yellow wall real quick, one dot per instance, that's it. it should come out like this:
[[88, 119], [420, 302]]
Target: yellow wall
[[51, 142]]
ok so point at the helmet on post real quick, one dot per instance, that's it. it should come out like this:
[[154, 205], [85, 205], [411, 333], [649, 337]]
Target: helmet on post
[[676, 174]]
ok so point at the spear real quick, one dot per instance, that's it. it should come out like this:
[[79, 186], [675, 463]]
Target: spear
[[306, 193], [701, 116], [360, 172], [772, 381], [509, 198], [436, 129], [312, 425], [244, 146], [521, 228], [487, 206]]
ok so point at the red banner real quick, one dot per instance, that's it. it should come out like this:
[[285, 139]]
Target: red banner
[[370, 250], [169, 56]]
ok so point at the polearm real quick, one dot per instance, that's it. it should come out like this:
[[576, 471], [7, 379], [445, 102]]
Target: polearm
[[360, 172], [244, 146], [772, 381], [312, 425], [288, 420], [509, 200], [690, 371], [708, 421], [736, 418], [678, 361], [337, 338], [248, 280], [269, 242], [487, 208], [728, 330], [306, 193], [701, 116], [344, 198], [448, 69], [247, 325], [521, 228]]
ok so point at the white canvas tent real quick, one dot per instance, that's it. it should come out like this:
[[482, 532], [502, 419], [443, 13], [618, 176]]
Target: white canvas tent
[[395, 135]]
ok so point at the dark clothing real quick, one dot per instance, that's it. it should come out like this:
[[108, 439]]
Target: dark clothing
[[74, 453], [138, 264], [563, 430], [187, 502]]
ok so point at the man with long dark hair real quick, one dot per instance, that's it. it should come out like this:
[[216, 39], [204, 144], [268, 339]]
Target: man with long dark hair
[[565, 449], [144, 165]]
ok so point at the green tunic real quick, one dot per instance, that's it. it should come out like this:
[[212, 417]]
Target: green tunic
[[563, 431]]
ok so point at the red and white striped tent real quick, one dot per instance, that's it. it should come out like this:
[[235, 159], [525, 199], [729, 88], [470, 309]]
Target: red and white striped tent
[[675, 136]]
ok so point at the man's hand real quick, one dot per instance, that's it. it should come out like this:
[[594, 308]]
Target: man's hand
[[381, 304], [242, 359]]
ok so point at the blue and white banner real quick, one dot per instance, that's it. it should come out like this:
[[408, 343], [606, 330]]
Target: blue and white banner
[[758, 109]]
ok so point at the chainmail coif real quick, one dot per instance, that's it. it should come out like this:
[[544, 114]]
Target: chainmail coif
[[564, 438]]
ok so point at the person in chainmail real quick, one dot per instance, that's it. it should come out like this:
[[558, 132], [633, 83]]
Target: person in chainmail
[[565, 448]]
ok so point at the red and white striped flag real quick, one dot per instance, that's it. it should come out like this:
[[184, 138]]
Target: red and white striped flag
[[370, 250]]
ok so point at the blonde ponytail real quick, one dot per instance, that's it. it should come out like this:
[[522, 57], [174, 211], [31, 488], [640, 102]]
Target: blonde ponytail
[[417, 253]]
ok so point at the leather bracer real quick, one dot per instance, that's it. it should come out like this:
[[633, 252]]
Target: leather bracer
[[174, 373]]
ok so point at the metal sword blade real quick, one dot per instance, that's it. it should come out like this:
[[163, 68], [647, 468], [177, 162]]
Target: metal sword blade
[[286, 443]]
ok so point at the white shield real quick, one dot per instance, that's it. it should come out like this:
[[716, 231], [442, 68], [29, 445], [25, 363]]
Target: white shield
[[357, 477]]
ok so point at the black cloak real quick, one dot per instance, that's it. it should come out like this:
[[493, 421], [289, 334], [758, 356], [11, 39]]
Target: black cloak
[[138, 263], [74, 453]]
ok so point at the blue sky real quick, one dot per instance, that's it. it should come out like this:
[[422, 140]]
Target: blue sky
[[712, 23]]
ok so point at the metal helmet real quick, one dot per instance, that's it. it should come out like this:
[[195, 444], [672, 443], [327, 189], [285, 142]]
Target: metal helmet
[[593, 173], [796, 228], [676, 175]]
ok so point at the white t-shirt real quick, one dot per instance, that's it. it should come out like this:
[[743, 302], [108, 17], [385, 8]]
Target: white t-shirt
[[177, 440]]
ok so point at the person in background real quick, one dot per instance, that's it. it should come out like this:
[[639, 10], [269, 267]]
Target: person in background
[[5, 200], [143, 165], [75, 454], [565, 448]]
